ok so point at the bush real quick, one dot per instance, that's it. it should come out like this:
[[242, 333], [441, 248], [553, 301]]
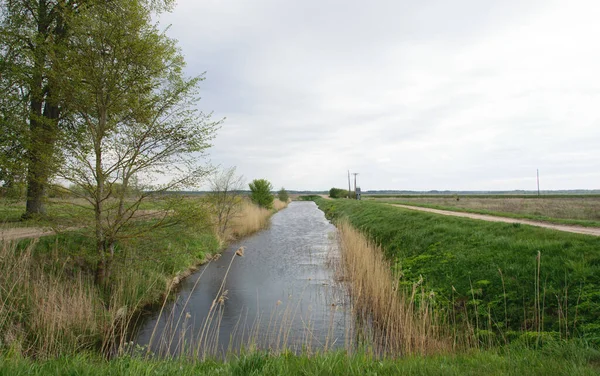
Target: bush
[[282, 195], [261, 193], [338, 193]]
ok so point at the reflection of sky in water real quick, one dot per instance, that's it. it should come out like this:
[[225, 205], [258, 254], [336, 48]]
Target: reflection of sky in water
[[284, 277]]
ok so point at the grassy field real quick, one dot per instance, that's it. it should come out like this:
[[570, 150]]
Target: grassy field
[[575, 210], [504, 282]]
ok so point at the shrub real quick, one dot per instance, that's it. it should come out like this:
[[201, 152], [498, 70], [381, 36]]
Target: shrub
[[338, 193], [261, 193], [282, 195]]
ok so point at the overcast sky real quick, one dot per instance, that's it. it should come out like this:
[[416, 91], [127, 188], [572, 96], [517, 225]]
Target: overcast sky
[[417, 95]]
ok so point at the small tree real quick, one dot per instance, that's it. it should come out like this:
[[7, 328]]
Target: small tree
[[225, 197], [261, 193], [139, 130], [282, 195]]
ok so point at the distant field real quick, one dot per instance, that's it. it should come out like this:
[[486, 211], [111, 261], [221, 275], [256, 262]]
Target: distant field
[[580, 209]]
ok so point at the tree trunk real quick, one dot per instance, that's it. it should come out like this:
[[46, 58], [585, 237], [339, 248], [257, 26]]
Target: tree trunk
[[36, 181], [43, 125], [102, 267], [100, 275]]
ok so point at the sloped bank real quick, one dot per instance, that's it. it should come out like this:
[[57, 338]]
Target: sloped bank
[[50, 305]]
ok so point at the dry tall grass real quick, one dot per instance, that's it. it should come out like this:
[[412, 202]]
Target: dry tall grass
[[45, 313], [279, 205], [391, 319], [40, 313], [250, 219]]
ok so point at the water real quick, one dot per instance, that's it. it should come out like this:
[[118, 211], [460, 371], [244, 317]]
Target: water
[[281, 295]]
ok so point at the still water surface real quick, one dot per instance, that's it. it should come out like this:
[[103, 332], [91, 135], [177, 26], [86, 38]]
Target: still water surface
[[282, 293]]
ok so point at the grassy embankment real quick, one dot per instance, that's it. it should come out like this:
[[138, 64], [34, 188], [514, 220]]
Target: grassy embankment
[[501, 282], [49, 305], [582, 210]]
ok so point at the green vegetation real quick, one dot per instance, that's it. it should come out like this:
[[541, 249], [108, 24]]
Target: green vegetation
[[50, 305], [282, 195], [503, 281], [260, 193], [563, 209], [567, 359], [338, 193]]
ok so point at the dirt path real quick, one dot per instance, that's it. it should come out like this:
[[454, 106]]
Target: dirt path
[[594, 231], [9, 234], [18, 233]]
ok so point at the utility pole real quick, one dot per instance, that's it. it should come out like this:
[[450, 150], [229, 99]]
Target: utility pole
[[349, 188], [355, 173], [538, 181]]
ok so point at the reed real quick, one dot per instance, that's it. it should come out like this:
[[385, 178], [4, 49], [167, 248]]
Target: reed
[[393, 322], [250, 219], [279, 205], [42, 313]]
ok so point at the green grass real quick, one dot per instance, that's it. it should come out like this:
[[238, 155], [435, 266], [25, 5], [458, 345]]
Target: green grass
[[561, 359], [460, 261]]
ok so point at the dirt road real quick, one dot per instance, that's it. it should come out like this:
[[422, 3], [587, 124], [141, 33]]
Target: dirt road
[[18, 233], [594, 231], [9, 234]]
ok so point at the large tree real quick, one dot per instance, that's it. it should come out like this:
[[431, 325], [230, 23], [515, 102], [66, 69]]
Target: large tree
[[34, 38], [136, 115]]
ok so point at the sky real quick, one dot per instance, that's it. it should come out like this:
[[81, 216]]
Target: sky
[[412, 95]]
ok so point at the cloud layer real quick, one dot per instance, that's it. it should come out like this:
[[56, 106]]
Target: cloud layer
[[465, 95]]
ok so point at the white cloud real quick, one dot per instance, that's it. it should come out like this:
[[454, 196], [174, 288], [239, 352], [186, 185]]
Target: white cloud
[[414, 95]]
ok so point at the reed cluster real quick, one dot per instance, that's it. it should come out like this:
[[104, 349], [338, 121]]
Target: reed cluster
[[249, 219], [45, 312], [389, 318]]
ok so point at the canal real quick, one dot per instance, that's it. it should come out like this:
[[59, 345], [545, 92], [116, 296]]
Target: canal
[[282, 294]]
